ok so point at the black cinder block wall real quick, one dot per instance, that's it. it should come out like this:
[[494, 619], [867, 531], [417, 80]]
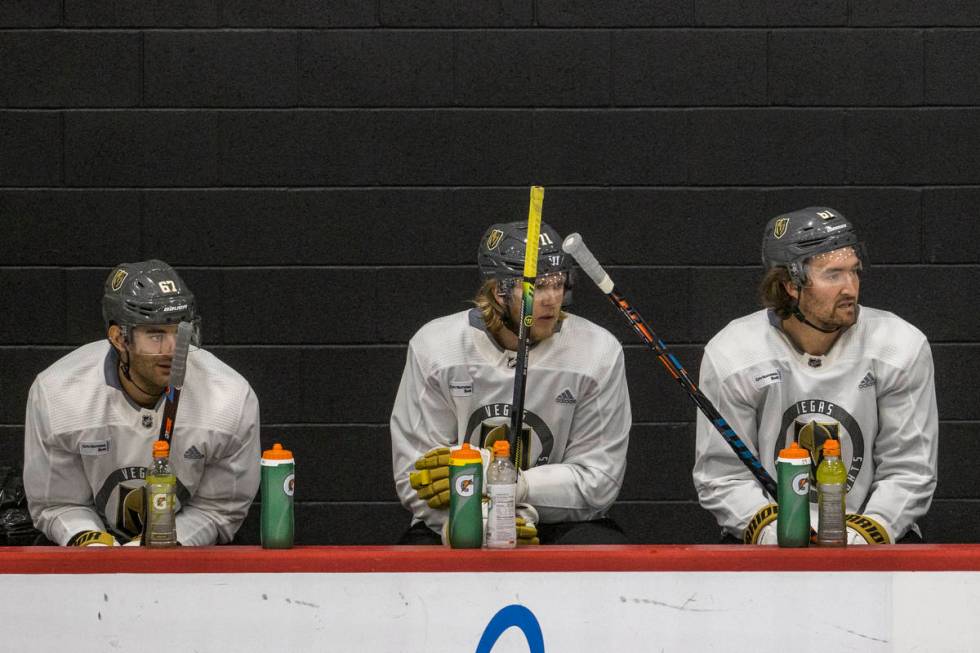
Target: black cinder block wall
[[321, 172]]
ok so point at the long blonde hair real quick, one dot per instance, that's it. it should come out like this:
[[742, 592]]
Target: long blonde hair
[[494, 313]]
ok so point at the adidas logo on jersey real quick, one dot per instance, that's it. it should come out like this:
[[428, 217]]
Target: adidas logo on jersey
[[566, 397], [193, 453], [867, 382]]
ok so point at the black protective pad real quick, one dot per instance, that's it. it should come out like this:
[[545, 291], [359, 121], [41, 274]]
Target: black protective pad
[[16, 528]]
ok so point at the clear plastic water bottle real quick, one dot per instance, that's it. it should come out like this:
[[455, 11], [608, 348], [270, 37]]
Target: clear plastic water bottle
[[160, 500], [831, 493], [502, 490]]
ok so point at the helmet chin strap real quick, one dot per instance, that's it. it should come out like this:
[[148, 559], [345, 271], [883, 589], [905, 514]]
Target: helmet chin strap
[[798, 314]]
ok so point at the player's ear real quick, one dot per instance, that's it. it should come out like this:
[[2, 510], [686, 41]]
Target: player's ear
[[791, 290], [116, 338]]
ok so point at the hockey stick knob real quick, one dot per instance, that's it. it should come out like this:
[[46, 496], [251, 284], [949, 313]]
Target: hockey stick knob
[[575, 246], [178, 367]]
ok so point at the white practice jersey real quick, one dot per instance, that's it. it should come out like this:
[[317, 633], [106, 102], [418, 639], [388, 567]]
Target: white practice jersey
[[576, 403], [874, 391], [87, 447]]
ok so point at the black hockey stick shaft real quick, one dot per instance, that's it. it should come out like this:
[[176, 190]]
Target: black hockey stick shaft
[[178, 368], [524, 329], [575, 245]]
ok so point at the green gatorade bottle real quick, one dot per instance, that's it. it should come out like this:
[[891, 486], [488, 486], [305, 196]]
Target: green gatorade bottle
[[793, 489], [465, 498], [278, 479]]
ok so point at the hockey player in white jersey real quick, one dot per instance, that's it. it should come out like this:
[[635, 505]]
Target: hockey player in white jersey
[[92, 418], [816, 365], [458, 385]]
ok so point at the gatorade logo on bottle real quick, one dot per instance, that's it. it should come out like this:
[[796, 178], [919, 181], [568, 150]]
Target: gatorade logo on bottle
[[287, 485], [464, 485], [159, 501], [801, 483]]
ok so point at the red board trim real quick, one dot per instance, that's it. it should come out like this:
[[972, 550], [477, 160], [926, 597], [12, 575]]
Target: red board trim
[[409, 559]]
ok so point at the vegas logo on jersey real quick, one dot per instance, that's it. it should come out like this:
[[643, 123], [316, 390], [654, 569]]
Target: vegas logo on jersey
[[489, 423], [813, 421], [120, 500]]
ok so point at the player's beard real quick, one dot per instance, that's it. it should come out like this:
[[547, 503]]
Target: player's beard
[[848, 315], [150, 373], [840, 313]]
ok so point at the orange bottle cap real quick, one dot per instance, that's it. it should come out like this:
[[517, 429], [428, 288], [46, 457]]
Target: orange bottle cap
[[466, 452], [501, 448], [794, 450], [277, 453], [831, 447], [161, 449]]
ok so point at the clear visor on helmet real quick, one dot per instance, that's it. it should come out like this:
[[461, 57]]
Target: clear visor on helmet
[[158, 339], [838, 267], [549, 281]]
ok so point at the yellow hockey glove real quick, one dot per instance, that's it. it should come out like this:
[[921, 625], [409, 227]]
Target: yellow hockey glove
[[527, 530], [431, 482], [527, 533], [92, 538]]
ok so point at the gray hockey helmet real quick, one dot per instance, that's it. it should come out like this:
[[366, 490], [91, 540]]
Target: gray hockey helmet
[[792, 238], [501, 254], [147, 292]]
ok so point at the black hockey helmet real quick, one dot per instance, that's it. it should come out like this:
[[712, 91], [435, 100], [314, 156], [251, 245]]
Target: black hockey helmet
[[501, 254], [792, 238], [147, 292]]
